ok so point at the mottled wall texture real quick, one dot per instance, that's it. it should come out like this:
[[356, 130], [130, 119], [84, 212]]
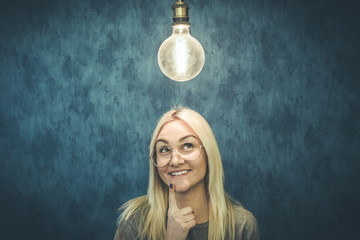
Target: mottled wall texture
[[80, 93]]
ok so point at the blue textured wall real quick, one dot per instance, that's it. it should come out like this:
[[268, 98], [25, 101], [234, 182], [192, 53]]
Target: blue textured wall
[[80, 93]]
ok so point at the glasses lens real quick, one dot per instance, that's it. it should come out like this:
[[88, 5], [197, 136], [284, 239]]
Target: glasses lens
[[188, 151], [161, 156]]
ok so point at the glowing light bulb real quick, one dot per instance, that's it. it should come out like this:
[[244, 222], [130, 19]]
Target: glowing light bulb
[[181, 57]]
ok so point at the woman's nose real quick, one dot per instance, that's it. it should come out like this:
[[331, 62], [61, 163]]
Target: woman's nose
[[175, 159]]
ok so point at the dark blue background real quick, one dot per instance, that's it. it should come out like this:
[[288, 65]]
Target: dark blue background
[[80, 93]]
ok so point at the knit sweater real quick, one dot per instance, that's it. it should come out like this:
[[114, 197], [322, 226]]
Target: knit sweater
[[246, 227]]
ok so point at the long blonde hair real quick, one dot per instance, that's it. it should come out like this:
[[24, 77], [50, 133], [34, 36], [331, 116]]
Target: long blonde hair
[[153, 206]]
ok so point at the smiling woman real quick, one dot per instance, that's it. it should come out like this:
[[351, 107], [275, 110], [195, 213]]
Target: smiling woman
[[186, 198], [186, 166]]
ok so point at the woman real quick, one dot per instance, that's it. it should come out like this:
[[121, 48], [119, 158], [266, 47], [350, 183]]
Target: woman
[[186, 198]]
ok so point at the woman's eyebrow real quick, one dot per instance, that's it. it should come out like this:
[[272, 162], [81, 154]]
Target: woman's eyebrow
[[161, 140], [180, 140], [188, 136]]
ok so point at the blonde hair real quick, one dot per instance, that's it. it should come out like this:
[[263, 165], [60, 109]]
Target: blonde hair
[[153, 206]]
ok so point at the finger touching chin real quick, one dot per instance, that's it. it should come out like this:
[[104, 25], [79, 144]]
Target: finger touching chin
[[182, 186]]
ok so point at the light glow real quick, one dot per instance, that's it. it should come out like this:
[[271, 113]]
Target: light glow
[[181, 57]]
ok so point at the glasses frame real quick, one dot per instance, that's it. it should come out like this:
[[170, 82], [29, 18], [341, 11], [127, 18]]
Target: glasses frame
[[171, 148]]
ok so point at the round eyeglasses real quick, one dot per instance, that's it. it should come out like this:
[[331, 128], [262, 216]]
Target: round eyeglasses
[[188, 151]]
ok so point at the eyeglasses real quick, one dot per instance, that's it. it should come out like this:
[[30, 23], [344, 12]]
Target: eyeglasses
[[188, 151]]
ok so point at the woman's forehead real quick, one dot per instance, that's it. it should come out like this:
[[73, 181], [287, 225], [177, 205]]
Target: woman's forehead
[[176, 130]]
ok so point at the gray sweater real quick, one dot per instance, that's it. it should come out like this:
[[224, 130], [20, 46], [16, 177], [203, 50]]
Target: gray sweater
[[246, 228]]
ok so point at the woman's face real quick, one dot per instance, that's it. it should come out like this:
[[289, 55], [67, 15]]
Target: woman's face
[[185, 174]]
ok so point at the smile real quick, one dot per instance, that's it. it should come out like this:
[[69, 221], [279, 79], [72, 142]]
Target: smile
[[179, 173]]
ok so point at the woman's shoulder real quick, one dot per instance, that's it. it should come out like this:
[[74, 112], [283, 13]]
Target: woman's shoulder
[[243, 215], [130, 218], [128, 228], [245, 224]]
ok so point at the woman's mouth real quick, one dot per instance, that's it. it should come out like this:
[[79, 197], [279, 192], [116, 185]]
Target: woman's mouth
[[179, 173]]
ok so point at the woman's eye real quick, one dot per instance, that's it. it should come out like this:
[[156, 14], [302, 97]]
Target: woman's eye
[[188, 146], [164, 150]]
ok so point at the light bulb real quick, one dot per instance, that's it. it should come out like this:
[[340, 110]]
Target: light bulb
[[181, 57]]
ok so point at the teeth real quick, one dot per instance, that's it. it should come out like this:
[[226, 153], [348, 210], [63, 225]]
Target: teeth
[[179, 173]]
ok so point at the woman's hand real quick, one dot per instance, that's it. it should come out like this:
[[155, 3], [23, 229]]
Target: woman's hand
[[179, 220]]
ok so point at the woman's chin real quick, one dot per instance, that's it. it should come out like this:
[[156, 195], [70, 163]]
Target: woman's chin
[[182, 187]]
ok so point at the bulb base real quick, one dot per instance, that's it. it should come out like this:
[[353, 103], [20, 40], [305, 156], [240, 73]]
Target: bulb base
[[181, 13]]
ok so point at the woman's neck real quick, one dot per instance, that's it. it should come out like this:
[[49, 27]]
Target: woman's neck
[[196, 198]]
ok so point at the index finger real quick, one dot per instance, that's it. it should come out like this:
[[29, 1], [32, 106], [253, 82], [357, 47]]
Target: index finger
[[172, 199]]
